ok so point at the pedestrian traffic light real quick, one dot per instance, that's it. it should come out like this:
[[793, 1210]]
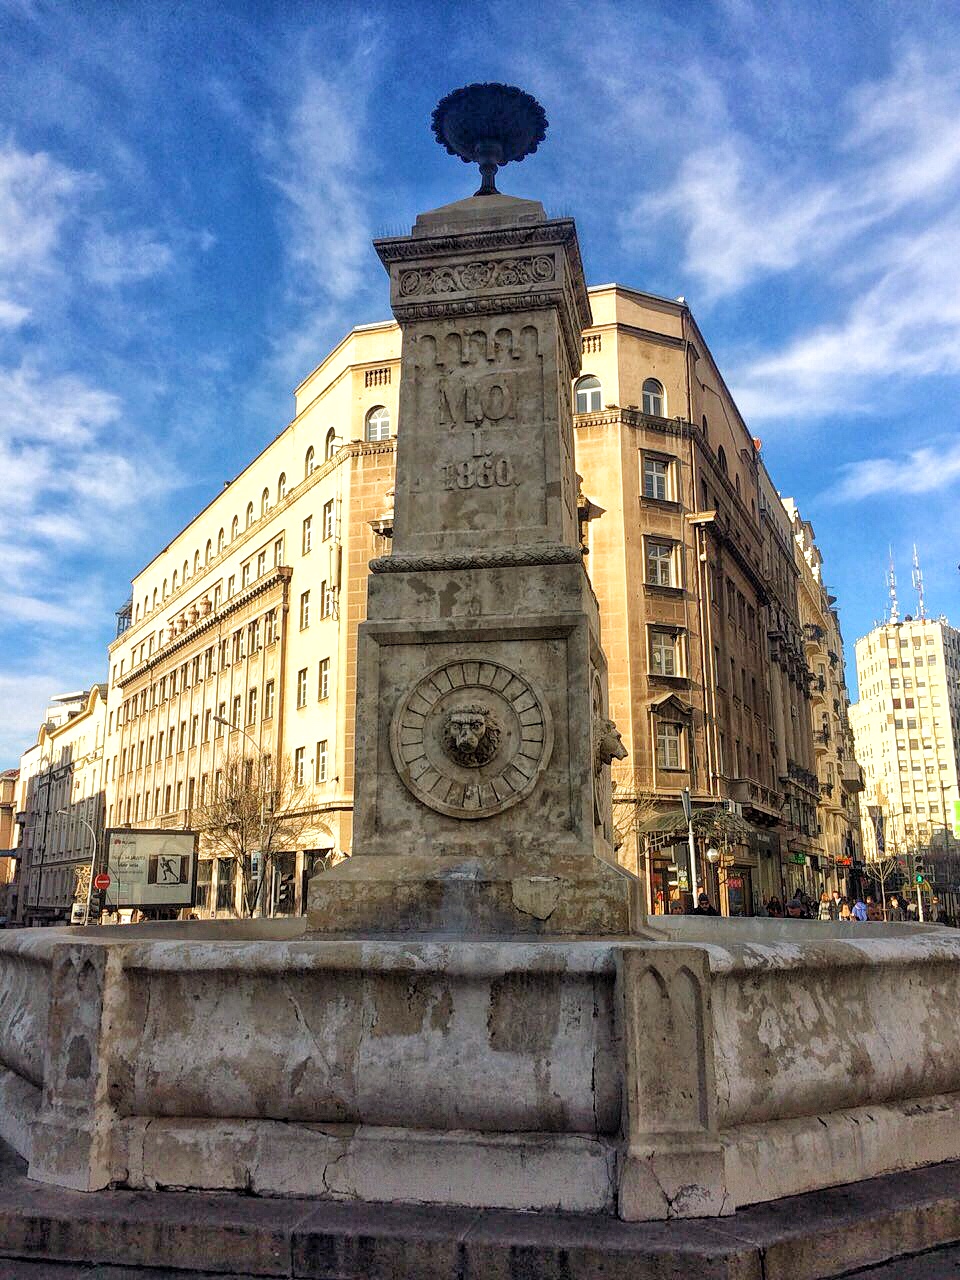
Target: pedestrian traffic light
[[919, 868]]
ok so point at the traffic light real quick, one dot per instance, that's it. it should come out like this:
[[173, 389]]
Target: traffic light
[[919, 868]]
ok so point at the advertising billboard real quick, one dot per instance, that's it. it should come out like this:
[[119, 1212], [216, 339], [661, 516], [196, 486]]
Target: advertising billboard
[[150, 868]]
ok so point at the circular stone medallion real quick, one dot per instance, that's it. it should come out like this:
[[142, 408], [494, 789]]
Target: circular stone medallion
[[471, 738]]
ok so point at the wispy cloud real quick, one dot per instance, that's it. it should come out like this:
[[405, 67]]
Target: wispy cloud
[[927, 469]]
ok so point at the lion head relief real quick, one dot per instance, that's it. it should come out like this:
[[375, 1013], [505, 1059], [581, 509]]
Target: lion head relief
[[470, 736], [609, 744]]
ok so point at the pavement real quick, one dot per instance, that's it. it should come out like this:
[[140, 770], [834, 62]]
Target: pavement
[[902, 1227]]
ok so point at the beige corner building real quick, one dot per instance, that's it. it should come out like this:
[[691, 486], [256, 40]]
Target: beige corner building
[[240, 636], [60, 806], [906, 726]]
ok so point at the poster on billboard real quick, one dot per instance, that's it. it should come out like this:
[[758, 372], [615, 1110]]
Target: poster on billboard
[[150, 868]]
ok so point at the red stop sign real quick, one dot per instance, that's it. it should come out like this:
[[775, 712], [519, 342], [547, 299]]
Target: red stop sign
[[101, 881]]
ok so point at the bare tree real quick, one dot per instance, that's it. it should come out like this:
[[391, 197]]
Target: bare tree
[[886, 869], [257, 807], [633, 807]]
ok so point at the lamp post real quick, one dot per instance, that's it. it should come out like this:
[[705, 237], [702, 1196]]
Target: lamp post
[[64, 813], [235, 728]]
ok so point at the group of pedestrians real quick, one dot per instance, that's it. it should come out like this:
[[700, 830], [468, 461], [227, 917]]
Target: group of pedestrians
[[833, 906]]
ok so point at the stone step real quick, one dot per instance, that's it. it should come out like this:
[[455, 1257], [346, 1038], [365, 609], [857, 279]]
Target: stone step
[[119, 1235]]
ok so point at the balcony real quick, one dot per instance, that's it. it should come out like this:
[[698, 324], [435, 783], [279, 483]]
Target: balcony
[[760, 803], [851, 775]]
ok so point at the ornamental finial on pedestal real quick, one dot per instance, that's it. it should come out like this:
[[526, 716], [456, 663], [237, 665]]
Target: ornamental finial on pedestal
[[489, 125]]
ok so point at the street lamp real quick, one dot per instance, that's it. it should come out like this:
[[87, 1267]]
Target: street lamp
[[713, 855], [65, 813], [235, 728]]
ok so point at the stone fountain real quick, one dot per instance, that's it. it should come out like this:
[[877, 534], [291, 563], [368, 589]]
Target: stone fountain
[[476, 1012]]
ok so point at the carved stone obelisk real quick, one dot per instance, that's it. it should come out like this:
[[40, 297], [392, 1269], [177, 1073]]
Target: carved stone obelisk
[[483, 745]]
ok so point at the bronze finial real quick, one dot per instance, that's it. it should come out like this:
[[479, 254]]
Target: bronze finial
[[489, 125]]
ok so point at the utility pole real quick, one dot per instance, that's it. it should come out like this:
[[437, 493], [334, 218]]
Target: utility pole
[[688, 814]]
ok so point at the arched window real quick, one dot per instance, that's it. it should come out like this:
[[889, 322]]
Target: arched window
[[736, 481], [249, 515], [589, 395], [310, 463], [329, 445], [706, 432], [196, 562], [282, 486], [221, 541], [378, 423], [265, 502], [174, 587], [154, 597], [654, 401], [208, 552], [136, 614], [146, 603], [234, 527], [186, 571], [722, 460], [165, 591]]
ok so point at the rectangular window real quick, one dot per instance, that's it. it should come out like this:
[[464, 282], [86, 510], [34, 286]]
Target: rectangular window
[[221, 718], [261, 564], [179, 795], [207, 722], [208, 663], [245, 574], [659, 563], [166, 800], [656, 478], [328, 520], [268, 700], [302, 687], [327, 600], [663, 653], [324, 683], [253, 636], [191, 785], [322, 760], [235, 716], [668, 745], [218, 595], [203, 788], [231, 586], [196, 669], [251, 706], [307, 535], [194, 729], [298, 767], [278, 552], [182, 738], [160, 745], [305, 610], [270, 627]]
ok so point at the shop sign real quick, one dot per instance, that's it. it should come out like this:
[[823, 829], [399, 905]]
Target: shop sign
[[800, 859]]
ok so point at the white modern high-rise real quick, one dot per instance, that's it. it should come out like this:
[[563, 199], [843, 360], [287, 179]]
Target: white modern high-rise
[[906, 728]]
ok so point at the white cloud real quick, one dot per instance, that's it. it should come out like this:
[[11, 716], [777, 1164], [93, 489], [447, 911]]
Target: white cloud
[[747, 212], [924, 470], [12, 314], [905, 325], [315, 158], [124, 258]]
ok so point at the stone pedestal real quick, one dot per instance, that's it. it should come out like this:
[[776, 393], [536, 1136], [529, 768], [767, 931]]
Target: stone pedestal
[[483, 745]]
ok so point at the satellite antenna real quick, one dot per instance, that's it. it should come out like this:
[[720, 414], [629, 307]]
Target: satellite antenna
[[918, 584], [892, 583]]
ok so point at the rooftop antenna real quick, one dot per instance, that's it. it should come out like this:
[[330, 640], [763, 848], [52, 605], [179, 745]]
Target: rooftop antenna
[[918, 584], [892, 583]]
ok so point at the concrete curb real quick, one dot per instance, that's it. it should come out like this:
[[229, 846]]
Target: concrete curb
[[810, 1237]]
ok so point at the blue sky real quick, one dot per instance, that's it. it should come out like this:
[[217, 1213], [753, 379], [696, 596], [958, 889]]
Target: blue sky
[[188, 194]]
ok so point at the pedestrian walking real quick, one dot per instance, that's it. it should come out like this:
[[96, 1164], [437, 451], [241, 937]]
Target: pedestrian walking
[[845, 912], [895, 912], [825, 911], [859, 911]]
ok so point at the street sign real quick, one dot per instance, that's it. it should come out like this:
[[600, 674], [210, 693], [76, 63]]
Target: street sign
[[956, 819], [101, 881]]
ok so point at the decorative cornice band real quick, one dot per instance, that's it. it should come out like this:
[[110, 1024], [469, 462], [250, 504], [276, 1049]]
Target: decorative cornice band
[[511, 558]]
